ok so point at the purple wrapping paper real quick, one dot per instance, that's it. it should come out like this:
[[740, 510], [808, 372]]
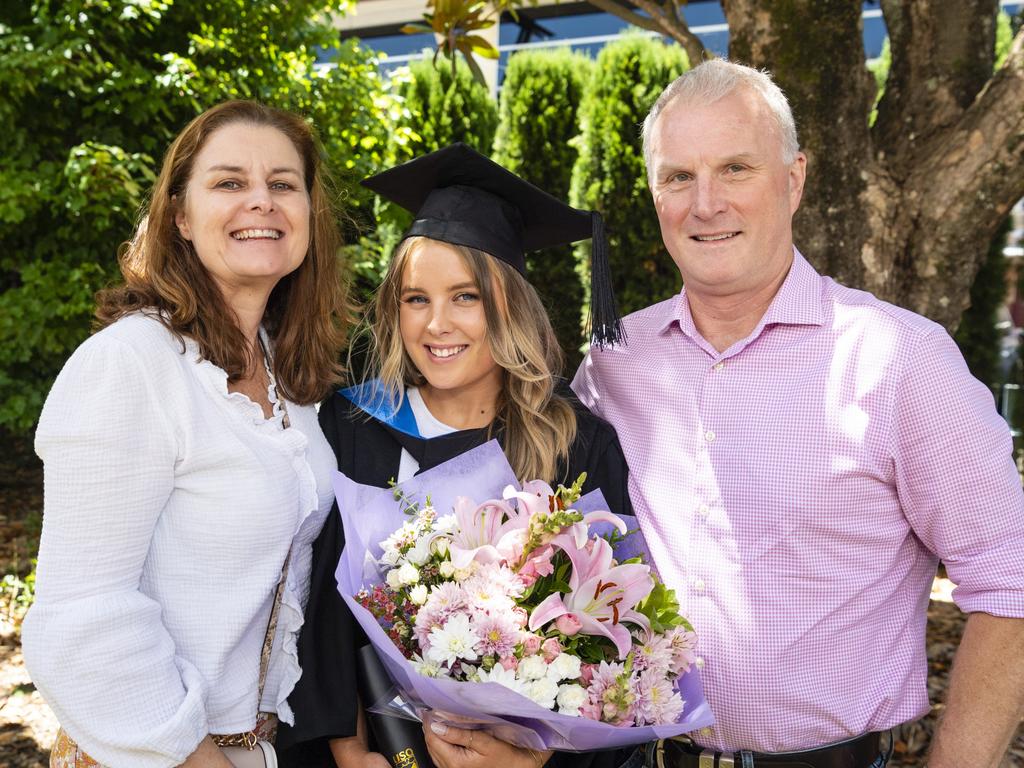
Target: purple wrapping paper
[[370, 515]]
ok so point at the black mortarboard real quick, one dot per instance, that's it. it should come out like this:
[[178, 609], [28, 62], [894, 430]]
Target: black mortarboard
[[459, 196]]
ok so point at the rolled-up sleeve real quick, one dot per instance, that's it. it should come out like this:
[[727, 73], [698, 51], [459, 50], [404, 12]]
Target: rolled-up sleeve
[[956, 478], [94, 643]]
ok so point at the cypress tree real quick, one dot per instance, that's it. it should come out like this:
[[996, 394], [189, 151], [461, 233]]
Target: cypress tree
[[540, 99], [609, 175]]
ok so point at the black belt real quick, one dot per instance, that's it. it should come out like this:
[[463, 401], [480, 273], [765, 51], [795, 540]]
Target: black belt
[[860, 752]]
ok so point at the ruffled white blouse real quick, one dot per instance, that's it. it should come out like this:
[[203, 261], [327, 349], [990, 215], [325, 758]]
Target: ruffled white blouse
[[170, 505]]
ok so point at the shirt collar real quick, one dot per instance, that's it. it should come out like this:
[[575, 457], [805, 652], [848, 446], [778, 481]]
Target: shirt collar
[[798, 302]]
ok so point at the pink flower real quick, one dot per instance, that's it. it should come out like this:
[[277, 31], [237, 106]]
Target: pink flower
[[497, 635], [612, 692], [509, 662], [520, 616], [587, 673], [602, 598], [658, 702], [538, 564], [684, 644], [568, 624], [550, 648], [531, 644]]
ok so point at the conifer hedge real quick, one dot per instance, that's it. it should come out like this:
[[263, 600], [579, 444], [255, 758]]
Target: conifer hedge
[[540, 99], [432, 110], [609, 176]]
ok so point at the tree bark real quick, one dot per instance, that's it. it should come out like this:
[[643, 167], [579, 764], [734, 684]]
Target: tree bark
[[815, 51], [905, 209]]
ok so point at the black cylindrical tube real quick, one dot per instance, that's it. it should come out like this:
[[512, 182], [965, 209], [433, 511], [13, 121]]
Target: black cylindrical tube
[[399, 740]]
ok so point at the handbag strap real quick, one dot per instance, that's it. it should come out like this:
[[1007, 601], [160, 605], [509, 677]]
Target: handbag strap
[[268, 640]]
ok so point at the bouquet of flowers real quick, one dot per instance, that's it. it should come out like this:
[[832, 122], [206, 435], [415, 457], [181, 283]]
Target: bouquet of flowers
[[539, 592]]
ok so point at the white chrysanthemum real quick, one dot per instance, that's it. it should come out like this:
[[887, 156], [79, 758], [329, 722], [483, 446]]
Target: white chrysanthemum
[[425, 667], [506, 677], [408, 574], [570, 698], [542, 691], [532, 668], [455, 640], [564, 666], [418, 594]]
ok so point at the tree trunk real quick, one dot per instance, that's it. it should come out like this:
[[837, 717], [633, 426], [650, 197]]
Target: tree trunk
[[905, 209]]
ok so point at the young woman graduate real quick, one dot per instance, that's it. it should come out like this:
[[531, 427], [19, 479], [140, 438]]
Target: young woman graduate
[[462, 352]]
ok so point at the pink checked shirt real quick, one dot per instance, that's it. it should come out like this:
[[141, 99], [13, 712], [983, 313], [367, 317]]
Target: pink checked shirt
[[797, 491]]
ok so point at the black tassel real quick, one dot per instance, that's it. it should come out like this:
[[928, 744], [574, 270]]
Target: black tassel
[[605, 325]]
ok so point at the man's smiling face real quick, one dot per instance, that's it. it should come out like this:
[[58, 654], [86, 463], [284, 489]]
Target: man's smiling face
[[724, 196]]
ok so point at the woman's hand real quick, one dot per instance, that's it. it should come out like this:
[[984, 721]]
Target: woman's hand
[[452, 747], [351, 753]]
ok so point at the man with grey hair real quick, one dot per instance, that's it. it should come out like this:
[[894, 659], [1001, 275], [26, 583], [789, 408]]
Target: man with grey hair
[[802, 455]]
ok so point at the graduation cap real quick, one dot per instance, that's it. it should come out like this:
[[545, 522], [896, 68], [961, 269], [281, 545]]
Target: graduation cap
[[458, 196]]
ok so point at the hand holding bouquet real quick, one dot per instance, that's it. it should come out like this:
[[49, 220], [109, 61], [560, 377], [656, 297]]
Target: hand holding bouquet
[[526, 592]]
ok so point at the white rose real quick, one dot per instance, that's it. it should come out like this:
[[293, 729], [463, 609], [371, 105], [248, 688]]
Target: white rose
[[532, 668], [419, 553], [564, 666], [440, 545], [391, 557], [446, 569], [392, 579], [570, 698], [418, 594], [407, 574], [542, 691]]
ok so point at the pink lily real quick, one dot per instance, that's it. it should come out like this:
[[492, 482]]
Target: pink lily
[[602, 602], [494, 531], [479, 531]]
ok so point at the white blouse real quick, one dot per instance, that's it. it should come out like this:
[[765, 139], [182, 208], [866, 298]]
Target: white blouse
[[170, 505]]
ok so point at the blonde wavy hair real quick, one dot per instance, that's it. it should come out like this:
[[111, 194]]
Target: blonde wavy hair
[[539, 424]]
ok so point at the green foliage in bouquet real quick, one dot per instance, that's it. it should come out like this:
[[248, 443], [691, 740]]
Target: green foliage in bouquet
[[540, 100], [610, 175]]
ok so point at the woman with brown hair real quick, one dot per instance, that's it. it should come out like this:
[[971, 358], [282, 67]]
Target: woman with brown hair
[[462, 352], [186, 474]]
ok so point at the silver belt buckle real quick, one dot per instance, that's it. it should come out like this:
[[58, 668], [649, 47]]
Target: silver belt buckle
[[727, 760], [707, 759]]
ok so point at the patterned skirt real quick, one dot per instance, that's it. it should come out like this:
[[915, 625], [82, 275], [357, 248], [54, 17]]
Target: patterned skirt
[[66, 753]]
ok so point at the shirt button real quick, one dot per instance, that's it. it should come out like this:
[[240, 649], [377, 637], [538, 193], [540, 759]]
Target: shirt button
[[699, 662], [709, 436], [698, 585], [705, 731], [703, 511], [718, 366]]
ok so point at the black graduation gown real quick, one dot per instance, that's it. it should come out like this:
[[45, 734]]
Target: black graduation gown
[[369, 451]]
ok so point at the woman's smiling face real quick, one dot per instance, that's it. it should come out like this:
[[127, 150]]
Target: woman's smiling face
[[245, 209], [443, 323]]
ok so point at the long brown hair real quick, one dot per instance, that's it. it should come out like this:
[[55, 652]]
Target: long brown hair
[[307, 311], [539, 424]]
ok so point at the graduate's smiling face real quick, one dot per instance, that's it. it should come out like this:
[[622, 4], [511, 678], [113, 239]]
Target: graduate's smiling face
[[443, 323]]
